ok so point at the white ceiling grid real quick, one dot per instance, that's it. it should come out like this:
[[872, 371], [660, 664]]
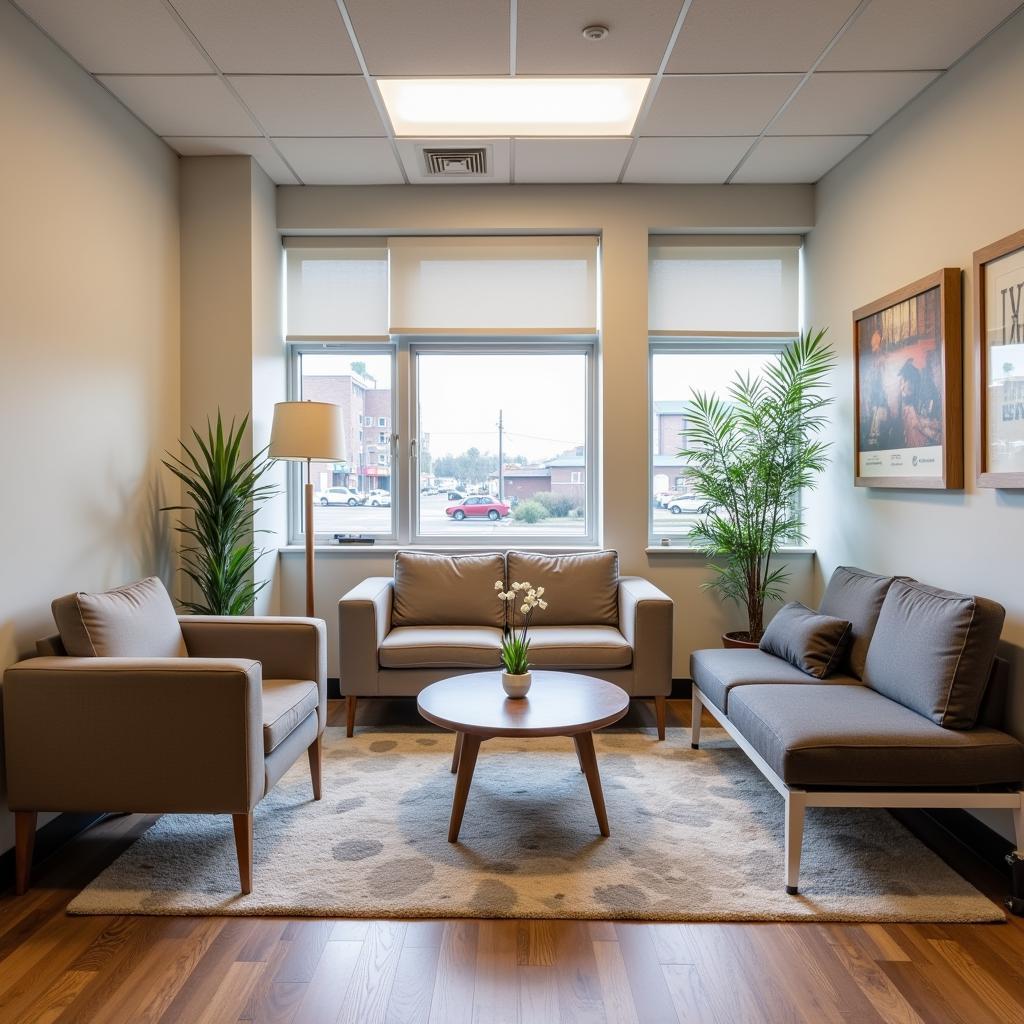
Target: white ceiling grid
[[744, 91]]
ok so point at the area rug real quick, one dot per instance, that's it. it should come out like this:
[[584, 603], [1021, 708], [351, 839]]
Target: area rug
[[695, 835]]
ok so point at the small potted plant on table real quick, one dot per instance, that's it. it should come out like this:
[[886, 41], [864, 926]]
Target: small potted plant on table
[[515, 644]]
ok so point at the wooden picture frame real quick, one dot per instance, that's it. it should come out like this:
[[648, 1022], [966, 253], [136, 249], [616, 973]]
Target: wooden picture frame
[[908, 386], [999, 323]]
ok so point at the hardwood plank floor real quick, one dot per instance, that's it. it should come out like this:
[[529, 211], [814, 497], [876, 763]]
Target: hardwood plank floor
[[56, 969]]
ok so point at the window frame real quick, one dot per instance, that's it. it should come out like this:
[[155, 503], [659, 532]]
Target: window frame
[[585, 345], [681, 344], [295, 473]]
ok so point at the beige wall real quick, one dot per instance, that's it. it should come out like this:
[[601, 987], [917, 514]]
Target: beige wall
[[623, 216], [89, 338], [944, 178]]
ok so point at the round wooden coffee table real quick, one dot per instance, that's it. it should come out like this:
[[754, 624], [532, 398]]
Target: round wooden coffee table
[[558, 704]]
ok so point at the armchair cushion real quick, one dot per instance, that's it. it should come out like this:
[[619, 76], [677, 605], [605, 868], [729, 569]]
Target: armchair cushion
[[438, 590], [441, 647], [583, 587], [287, 703], [134, 621], [578, 647]]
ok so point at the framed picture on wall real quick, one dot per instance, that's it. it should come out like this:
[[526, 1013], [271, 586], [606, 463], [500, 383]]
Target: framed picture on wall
[[908, 392], [999, 361]]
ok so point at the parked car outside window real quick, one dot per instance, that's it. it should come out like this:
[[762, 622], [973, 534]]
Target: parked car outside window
[[478, 507], [341, 496]]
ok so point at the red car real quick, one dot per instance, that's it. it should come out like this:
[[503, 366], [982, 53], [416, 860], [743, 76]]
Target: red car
[[478, 507]]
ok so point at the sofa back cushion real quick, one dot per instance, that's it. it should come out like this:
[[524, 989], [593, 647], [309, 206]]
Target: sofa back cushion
[[134, 621], [447, 590], [581, 589], [813, 643], [932, 651], [856, 596]]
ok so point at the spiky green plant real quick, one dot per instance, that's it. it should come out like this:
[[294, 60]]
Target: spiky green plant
[[748, 456], [225, 490]]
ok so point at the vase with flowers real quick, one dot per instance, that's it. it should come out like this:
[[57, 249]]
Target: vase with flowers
[[515, 644]]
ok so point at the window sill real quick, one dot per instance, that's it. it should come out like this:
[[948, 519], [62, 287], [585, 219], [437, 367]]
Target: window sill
[[390, 548], [685, 551]]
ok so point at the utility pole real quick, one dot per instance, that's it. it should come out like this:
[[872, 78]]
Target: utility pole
[[501, 455]]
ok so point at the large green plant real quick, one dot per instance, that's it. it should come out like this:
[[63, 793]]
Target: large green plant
[[748, 455], [226, 493]]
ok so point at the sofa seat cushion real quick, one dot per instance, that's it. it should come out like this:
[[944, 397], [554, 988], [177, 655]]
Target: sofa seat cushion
[[441, 647], [717, 671], [578, 647], [134, 621], [819, 734], [287, 703]]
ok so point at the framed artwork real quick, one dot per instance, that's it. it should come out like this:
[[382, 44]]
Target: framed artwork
[[908, 393], [999, 361]]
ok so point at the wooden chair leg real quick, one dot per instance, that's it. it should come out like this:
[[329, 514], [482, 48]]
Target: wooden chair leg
[[350, 709], [242, 824], [659, 708], [24, 842], [696, 712], [315, 752]]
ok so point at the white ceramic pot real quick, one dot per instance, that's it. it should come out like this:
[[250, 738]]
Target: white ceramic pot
[[516, 686]]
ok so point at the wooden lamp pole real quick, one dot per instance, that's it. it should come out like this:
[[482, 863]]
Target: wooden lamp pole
[[310, 538]]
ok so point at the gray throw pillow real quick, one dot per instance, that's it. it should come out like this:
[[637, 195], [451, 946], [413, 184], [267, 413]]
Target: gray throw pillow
[[813, 643], [856, 595], [932, 651]]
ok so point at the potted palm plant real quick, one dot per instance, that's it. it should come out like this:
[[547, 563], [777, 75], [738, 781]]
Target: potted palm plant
[[219, 554], [748, 455]]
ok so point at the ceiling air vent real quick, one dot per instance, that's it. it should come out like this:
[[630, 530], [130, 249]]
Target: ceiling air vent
[[456, 163]]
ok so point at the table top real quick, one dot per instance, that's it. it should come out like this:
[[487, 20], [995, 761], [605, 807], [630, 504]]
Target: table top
[[558, 704]]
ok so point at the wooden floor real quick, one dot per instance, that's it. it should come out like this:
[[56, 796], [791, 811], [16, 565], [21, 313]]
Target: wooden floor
[[130, 970]]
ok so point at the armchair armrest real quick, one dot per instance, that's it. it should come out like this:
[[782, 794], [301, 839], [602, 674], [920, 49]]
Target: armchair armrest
[[645, 620], [364, 619], [134, 734], [287, 647]]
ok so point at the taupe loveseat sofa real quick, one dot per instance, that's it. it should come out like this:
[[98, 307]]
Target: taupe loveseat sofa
[[439, 616], [911, 716]]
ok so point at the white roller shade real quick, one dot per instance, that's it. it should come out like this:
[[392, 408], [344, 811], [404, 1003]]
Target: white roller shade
[[723, 289], [337, 291], [537, 285]]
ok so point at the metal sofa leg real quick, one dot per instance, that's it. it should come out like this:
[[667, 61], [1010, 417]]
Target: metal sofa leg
[[795, 807], [1015, 904], [659, 710], [350, 709], [24, 843], [696, 709]]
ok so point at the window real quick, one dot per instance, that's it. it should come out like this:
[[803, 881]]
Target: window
[[509, 427], [354, 379], [382, 439], [367, 421], [382, 422]]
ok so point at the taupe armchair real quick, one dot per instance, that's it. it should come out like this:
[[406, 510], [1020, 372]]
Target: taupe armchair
[[209, 733]]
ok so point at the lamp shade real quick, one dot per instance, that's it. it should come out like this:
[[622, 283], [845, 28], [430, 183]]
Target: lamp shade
[[307, 430]]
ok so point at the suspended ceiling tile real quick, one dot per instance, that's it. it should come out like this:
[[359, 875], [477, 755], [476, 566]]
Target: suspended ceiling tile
[[497, 155], [849, 103], [795, 159], [915, 34], [310, 104], [716, 104], [182, 104], [686, 161], [271, 37], [118, 36], [342, 161], [752, 35], [259, 148], [456, 37], [569, 160], [550, 39]]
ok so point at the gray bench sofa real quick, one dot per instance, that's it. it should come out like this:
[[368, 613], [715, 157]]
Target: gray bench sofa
[[912, 716], [439, 616]]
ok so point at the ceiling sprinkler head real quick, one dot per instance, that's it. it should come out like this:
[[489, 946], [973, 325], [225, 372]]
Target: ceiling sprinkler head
[[595, 32]]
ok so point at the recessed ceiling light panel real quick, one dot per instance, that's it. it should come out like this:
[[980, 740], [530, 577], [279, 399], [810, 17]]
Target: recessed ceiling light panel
[[467, 107]]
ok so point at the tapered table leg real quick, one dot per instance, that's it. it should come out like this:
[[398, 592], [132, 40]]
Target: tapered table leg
[[579, 756], [458, 752], [585, 746], [467, 762]]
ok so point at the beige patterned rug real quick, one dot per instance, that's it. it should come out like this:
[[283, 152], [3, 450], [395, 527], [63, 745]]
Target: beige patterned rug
[[696, 835]]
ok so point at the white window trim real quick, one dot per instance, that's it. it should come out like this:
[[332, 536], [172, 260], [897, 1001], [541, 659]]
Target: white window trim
[[685, 345], [296, 470], [409, 347]]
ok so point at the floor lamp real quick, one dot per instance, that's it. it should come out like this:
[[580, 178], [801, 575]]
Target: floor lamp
[[308, 432]]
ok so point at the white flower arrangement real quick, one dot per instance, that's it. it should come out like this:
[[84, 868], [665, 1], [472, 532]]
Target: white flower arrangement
[[515, 645]]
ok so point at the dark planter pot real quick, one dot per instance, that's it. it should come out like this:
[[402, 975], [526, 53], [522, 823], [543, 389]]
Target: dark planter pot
[[738, 640]]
